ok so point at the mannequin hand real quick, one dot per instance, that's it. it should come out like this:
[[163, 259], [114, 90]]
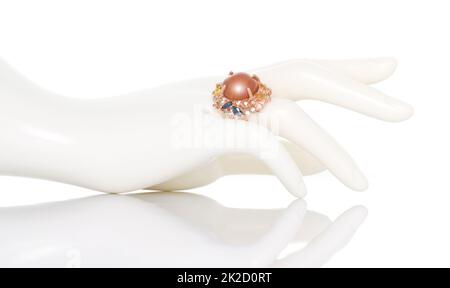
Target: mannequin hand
[[339, 82], [154, 138], [168, 230]]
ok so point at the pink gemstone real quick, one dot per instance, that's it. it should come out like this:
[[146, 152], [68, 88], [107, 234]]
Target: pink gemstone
[[237, 84]]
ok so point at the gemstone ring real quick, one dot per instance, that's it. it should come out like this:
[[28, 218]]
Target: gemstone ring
[[239, 95]]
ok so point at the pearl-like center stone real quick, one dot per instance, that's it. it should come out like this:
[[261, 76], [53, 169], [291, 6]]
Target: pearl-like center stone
[[237, 85]]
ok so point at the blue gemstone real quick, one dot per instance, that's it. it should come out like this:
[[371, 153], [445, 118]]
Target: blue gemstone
[[236, 111], [227, 105]]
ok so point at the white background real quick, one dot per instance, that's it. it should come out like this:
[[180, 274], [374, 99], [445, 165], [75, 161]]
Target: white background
[[103, 48]]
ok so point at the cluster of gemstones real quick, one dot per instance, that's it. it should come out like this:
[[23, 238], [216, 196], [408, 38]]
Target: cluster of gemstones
[[240, 95]]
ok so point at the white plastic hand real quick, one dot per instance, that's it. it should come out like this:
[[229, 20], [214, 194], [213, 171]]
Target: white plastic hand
[[341, 82], [168, 230], [166, 137]]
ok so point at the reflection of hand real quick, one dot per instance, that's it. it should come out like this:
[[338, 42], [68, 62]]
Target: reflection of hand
[[168, 230], [131, 142]]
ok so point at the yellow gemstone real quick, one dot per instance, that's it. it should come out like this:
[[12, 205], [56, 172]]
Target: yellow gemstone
[[218, 89]]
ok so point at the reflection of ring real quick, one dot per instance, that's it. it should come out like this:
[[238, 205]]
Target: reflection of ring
[[240, 95]]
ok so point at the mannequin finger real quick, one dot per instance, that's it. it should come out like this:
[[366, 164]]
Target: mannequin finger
[[307, 80], [246, 164], [250, 138], [306, 162], [367, 71], [280, 116], [329, 242]]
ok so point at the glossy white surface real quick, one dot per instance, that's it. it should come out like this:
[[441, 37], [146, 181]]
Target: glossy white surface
[[168, 230]]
